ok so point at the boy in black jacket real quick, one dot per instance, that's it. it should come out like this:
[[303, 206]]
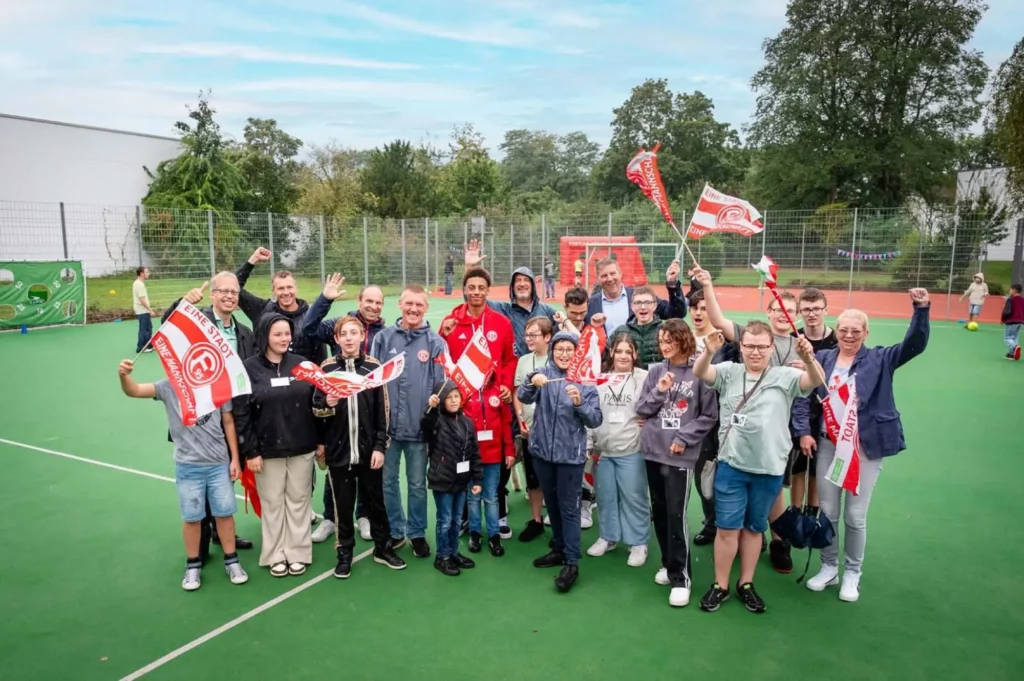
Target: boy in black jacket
[[356, 436], [454, 460]]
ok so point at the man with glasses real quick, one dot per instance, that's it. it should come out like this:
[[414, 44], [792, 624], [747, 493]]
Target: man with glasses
[[224, 298]]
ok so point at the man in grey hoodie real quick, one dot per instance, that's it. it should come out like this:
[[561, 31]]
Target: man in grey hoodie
[[407, 397], [524, 304]]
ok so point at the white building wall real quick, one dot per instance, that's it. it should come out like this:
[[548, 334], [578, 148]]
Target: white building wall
[[98, 175], [969, 184]]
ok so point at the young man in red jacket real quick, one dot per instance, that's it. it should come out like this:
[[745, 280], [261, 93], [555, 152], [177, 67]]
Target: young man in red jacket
[[489, 407]]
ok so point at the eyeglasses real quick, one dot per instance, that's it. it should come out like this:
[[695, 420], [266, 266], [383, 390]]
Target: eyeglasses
[[778, 310], [534, 336], [643, 303], [564, 351], [760, 349], [852, 333], [811, 310], [227, 291]]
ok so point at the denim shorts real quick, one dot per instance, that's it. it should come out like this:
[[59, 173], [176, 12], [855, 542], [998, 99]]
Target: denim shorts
[[199, 484], [743, 500], [975, 309]]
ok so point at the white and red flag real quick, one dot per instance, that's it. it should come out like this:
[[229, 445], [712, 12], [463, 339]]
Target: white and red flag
[[470, 373], [344, 384], [585, 365], [841, 424], [386, 372], [718, 212], [200, 365], [642, 170]]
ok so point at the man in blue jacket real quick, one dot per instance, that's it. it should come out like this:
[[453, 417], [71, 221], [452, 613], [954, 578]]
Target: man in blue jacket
[[615, 301], [407, 398], [524, 304]]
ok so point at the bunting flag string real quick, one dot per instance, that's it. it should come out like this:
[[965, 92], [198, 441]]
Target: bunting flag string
[[888, 255]]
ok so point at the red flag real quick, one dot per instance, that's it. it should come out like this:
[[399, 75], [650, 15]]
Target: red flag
[[585, 365], [388, 371], [642, 170], [251, 493], [470, 372], [843, 429], [718, 212], [337, 384]]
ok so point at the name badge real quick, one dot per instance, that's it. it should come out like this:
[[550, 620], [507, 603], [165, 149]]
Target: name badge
[[670, 423], [280, 382], [484, 435], [738, 420], [462, 467], [616, 417]]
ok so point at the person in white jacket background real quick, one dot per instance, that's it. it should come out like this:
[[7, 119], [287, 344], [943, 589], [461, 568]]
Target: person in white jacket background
[[621, 474]]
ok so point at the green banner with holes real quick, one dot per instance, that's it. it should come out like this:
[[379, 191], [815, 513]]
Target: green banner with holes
[[41, 294]]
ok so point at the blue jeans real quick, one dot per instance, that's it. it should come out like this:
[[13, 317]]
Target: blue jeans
[[449, 517], [416, 488], [549, 288], [199, 485], [1010, 336], [743, 500], [145, 330], [562, 485], [622, 506], [489, 494]]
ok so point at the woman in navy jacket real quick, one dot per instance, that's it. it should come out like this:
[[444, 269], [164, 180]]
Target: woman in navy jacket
[[881, 432]]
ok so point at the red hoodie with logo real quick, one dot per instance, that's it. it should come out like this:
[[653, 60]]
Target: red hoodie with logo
[[491, 417]]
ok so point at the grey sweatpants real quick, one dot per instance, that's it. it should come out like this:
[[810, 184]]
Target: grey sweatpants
[[855, 515]]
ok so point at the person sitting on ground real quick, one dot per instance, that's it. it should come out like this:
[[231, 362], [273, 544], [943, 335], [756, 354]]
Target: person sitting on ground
[[206, 464]]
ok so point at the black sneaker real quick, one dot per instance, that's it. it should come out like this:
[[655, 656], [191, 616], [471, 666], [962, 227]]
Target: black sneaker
[[567, 576], [1008, 356], [463, 528], [388, 557], [447, 567], [463, 562], [504, 531], [474, 542], [751, 601], [420, 547], [344, 567], [397, 543], [714, 598], [497, 550], [532, 530], [781, 559], [550, 559], [705, 536]]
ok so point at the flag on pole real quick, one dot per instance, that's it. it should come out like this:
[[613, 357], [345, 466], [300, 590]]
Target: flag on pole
[[841, 424], [470, 373], [387, 372], [718, 212], [768, 270], [585, 365], [643, 171], [345, 384], [202, 368]]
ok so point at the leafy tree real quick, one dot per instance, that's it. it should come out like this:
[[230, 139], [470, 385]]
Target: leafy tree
[[1007, 116], [531, 160], [395, 182], [267, 161], [863, 102], [329, 182], [575, 160], [471, 179]]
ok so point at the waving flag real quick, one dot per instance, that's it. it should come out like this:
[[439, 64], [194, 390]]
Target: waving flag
[[718, 212], [841, 424], [585, 365], [201, 366], [642, 170], [344, 384], [386, 372], [470, 373], [768, 270]]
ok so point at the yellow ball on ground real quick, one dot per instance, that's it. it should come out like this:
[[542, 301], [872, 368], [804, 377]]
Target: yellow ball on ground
[[113, 292], [972, 326]]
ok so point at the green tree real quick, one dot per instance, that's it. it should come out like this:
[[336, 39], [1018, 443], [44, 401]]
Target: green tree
[[471, 179], [267, 161], [863, 102], [575, 160], [1007, 117], [695, 147], [329, 182], [531, 160], [396, 184]]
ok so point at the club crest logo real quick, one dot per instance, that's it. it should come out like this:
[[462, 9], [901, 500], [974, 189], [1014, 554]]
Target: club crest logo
[[202, 364], [494, 401], [423, 355], [492, 336]]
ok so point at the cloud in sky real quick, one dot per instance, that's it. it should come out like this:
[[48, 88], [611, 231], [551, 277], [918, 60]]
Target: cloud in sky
[[363, 72]]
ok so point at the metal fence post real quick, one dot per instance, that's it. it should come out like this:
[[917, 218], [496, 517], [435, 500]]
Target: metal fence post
[[138, 222], [403, 252], [270, 241], [511, 249], [764, 236], [920, 254], [323, 260], [952, 262], [366, 253], [437, 255], [853, 256], [803, 244], [609, 234], [426, 252], [544, 238], [530, 232], [64, 230], [213, 258]]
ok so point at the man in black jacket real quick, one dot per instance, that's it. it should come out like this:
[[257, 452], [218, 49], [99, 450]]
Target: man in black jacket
[[224, 299], [356, 437]]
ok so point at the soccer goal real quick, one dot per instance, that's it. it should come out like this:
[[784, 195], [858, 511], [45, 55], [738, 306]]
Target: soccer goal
[[641, 263], [36, 294]]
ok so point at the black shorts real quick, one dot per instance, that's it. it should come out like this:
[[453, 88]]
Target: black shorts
[[523, 445], [798, 464]]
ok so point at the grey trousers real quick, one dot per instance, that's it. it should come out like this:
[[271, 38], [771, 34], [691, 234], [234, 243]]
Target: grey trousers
[[855, 513]]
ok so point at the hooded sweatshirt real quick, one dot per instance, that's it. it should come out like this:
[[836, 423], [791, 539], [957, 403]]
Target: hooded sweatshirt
[[519, 315], [408, 394], [684, 415], [497, 330], [276, 419], [559, 432], [358, 426], [619, 433], [452, 446], [319, 331], [1013, 310], [977, 291], [255, 308]]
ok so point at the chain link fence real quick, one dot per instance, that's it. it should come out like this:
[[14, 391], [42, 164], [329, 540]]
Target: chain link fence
[[835, 249]]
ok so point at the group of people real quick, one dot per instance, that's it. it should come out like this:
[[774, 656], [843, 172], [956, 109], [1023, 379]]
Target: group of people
[[732, 411]]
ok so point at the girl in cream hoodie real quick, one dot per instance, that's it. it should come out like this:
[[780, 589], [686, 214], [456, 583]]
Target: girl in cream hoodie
[[978, 291]]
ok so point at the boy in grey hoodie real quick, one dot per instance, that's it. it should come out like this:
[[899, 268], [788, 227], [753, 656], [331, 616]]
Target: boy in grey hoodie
[[680, 411]]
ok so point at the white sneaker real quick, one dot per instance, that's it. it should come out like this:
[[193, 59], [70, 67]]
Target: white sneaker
[[661, 577], [323, 531], [679, 597], [314, 517], [850, 590], [600, 547], [547, 520], [193, 579], [637, 556], [586, 518], [504, 531], [364, 529], [236, 574], [826, 577]]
